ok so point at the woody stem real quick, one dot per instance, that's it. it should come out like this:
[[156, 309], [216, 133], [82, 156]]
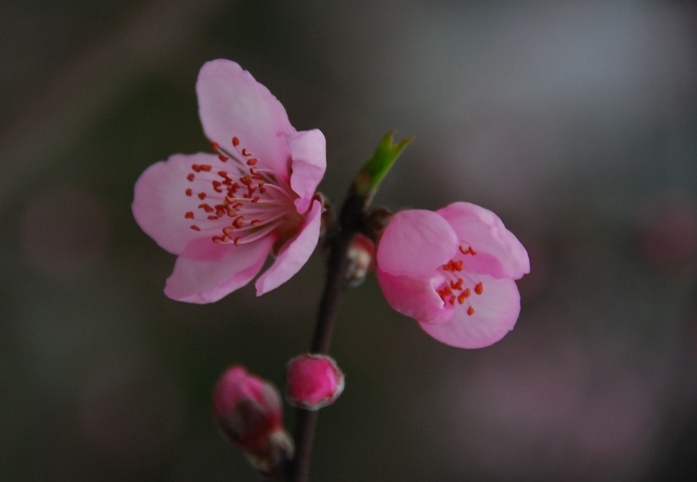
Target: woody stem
[[351, 222]]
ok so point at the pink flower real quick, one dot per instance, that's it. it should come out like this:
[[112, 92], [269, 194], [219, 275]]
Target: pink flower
[[313, 381], [224, 213], [453, 271]]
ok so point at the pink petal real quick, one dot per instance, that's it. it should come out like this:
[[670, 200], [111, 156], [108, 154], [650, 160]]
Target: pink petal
[[415, 296], [499, 253], [231, 103], [308, 151], [207, 271], [415, 243], [294, 253], [495, 313], [234, 385], [160, 201]]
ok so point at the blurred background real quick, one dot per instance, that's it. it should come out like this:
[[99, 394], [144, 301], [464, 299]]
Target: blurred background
[[575, 121]]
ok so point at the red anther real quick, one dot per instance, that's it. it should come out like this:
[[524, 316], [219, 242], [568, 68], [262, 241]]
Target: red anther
[[235, 141], [189, 192], [246, 180], [237, 206], [206, 207], [447, 291], [246, 153], [456, 286], [238, 222], [195, 228], [220, 210], [472, 251], [223, 174], [254, 171], [228, 229], [463, 250], [461, 298], [231, 212], [470, 311], [452, 300], [251, 162], [222, 157], [218, 239], [190, 177], [234, 186], [196, 168], [466, 293], [206, 167], [255, 222], [213, 218], [479, 288], [237, 241], [216, 186], [214, 146], [458, 265], [227, 238], [189, 215], [202, 196], [255, 199]]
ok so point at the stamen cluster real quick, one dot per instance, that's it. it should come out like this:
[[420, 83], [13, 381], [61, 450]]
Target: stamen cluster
[[246, 202], [455, 280]]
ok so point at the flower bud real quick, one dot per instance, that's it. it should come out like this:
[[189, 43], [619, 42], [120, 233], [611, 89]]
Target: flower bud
[[377, 219], [313, 381], [248, 412], [361, 259]]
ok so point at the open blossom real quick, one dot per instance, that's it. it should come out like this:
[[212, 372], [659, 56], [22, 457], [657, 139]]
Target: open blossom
[[224, 213], [453, 271]]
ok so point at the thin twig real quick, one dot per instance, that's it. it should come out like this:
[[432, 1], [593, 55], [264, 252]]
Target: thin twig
[[351, 221]]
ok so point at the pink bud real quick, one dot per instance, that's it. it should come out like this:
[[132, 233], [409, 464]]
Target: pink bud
[[361, 257], [248, 412], [313, 381]]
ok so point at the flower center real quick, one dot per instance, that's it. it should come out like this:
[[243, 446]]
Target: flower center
[[458, 286], [240, 200]]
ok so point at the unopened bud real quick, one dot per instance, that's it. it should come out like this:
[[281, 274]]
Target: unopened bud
[[361, 258], [377, 219], [248, 412], [313, 381]]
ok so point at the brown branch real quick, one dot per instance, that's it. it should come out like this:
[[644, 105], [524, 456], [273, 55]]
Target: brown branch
[[351, 222]]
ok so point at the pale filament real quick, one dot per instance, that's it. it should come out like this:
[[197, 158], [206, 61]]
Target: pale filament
[[241, 207]]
